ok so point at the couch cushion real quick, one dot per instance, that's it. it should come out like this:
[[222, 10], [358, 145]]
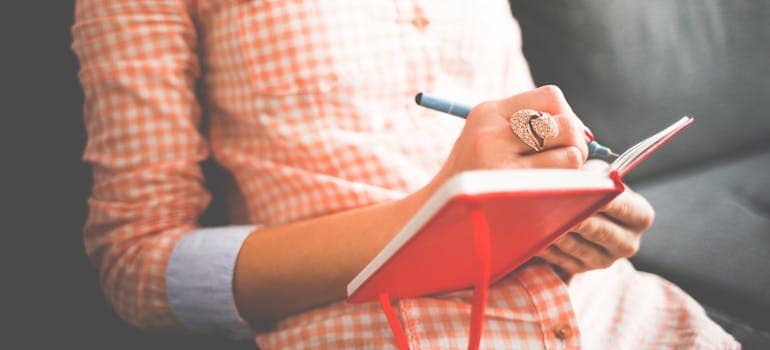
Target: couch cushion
[[748, 336], [711, 235], [631, 67]]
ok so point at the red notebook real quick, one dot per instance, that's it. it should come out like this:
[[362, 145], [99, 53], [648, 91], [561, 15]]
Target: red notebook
[[442, 248]]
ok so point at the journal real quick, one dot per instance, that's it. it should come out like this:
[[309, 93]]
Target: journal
[[481, 225]]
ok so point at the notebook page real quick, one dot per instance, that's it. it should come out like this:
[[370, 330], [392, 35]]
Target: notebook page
[[634, 152]]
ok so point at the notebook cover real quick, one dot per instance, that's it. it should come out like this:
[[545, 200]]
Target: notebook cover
[[439, 257]]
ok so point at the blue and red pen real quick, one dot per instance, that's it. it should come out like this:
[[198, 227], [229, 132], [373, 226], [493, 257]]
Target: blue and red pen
[[595, 150]]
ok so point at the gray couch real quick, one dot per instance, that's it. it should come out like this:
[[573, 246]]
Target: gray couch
[[629, 68]]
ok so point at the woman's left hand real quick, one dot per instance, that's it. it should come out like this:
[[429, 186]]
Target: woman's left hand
[[612, 233]]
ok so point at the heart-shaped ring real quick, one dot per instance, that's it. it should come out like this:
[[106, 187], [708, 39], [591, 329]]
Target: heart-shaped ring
[[534, 127]]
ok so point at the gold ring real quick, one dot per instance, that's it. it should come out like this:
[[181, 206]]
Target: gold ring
[[534, 127]]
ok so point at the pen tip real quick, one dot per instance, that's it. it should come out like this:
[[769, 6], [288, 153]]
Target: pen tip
[[418, 97], [614, 155]]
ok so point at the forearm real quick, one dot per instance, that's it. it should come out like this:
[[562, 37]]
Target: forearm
[[286, 269]]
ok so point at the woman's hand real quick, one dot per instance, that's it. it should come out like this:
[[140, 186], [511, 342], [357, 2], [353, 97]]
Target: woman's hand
[[487, 141], [326, 252], [613, 233]]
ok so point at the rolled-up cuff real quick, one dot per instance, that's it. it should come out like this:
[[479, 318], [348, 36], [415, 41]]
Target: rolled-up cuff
[[199, 281]]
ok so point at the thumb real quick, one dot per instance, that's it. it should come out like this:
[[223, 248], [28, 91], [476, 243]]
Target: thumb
[[595, 165]]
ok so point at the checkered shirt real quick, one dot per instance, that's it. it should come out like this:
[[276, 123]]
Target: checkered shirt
[[309, 106]]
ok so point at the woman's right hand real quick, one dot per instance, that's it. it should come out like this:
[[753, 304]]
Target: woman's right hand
[[326, 252], [487, 141]]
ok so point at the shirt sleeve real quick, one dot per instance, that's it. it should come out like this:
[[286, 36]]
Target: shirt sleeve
[[200, 279], [138, 70]]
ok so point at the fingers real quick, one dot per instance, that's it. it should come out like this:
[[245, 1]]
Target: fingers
[[616, 240], [566, 150], [489, 136], [563, 157], [551, 100], [591, 255], [574, 254], [595, 244], [598, 241], [553, 255], [570, 134], [630, 209]]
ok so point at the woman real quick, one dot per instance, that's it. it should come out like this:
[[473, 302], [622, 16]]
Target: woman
[[309, 107]]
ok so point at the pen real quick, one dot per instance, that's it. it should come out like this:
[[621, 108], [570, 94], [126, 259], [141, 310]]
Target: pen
[[460, 110]]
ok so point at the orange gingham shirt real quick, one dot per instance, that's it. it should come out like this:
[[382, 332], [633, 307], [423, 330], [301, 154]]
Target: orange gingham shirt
[[310, 108]]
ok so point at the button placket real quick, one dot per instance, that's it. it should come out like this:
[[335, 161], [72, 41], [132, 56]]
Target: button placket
[[550, 298]]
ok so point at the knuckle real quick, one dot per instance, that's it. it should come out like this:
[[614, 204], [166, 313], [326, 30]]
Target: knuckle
[[553, 257], [605, 262], [552, 91], [635, 246], [624, 209], [585, 228], [605, 234], [648, 217], [574, 247], [622, 206], [592, 260], [601, 233], [574, 267], [568, 245], [481, 112], [572, 135], [568, 125], [629, 247], [545, 255], [584, 253], [584, 225], [484, 108], [637, 208]]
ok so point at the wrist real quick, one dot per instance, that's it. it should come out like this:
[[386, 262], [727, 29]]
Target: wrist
[[419, 197]]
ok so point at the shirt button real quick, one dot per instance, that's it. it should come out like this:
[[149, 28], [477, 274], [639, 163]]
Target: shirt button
[[420, 22], [562, 331]]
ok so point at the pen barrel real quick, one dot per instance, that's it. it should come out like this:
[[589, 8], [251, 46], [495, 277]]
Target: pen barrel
[[597, 150], [442, 105]]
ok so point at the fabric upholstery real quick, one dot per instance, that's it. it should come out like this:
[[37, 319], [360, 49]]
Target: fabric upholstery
[[712, 233], [631, 67]]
